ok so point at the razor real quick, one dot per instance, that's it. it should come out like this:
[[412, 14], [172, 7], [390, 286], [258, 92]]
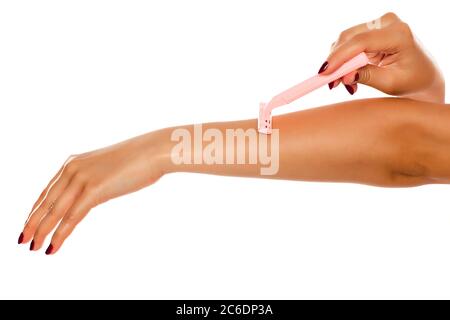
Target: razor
[[303, 88]]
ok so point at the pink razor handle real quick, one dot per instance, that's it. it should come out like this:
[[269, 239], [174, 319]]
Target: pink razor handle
[[301, 89]]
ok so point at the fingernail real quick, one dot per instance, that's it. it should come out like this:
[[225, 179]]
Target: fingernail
[[331, 85], [20, 238], [32, 245], [356, 77], [49, 249], [323, 67], [349, 89]]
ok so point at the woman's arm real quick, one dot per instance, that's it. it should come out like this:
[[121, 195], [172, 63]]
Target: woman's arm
[[383, 142]]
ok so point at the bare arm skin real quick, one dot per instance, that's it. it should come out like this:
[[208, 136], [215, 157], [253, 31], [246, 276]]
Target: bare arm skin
[[384, 142]]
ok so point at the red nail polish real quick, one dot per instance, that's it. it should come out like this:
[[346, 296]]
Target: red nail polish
[[49, 249], [20, 238], [356, 77], [323, 67], [32, 245], [349, 89], [331, 85]]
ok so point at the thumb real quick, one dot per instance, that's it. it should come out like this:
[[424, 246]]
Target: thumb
[[377, 77]]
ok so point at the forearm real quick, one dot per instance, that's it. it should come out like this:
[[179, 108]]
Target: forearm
[[387, 142]]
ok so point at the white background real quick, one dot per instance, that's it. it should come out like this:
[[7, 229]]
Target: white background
[[79, 75]]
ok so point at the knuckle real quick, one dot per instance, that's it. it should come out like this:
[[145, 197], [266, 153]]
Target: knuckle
[[63, 229], [80, 177], [70, 219], [66, 227], [52, 212], [44, 205], [343, 36], [91, 192], [91, 187], [71, 158], [333, 45], [390, 17], [359, 41], [360, 37], [71, 168], [364, 76], [405, 30]]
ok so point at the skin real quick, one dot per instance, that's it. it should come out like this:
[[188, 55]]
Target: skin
[[382, 142], [399, 65], [386, 142]]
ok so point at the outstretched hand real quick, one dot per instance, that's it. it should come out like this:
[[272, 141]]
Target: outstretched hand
[[86, 180]]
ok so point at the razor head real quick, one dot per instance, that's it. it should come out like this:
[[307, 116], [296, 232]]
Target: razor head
[[264, 119]]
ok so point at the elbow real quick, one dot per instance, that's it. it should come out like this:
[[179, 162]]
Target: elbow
[[413, 157]]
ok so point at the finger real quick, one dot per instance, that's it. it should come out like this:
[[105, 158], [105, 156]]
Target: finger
[[376, 58], [74, 215], [351, 78], [333, 45], [387, 40], [45, 206], [44, 192], [334, 84], [49, 185], [377, 77], [50, 220], [382, 22], [350, 33], [351, 88]]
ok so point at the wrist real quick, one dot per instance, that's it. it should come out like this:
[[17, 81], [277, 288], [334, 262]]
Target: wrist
[[159, 149]]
